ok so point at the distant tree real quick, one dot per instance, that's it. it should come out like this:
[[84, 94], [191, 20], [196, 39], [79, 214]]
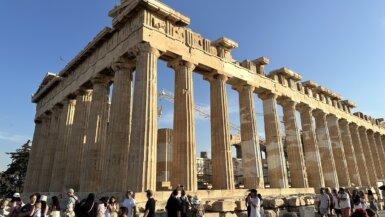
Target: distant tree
[[12, 180]]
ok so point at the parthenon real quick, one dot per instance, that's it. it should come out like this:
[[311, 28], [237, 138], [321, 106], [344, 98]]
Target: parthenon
[[82, 138]]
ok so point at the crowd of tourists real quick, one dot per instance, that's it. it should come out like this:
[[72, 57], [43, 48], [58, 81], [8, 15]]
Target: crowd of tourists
[[178, 205], [343, 202]]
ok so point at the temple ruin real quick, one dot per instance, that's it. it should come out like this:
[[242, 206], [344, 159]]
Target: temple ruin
[[82, 140]]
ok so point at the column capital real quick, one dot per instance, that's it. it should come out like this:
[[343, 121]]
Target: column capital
[[353, 124], [144, 48], [101, 79], [319, 113], [362, 129], [123, 64], [344, 122], [267, 94], [178, 62], [243, 86], [304, 107], [214, 76], [83, 91], [287, 102]]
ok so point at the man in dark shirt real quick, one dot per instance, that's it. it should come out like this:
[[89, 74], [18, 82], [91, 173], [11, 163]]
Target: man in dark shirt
[[149, 210], [173, 206]]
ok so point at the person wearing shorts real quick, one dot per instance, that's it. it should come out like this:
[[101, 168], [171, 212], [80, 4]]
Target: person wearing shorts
[[323, 203]]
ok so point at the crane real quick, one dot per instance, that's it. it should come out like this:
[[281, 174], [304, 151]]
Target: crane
[[169, 96]]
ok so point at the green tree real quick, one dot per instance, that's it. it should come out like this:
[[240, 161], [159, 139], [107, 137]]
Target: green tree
[[12, 180]]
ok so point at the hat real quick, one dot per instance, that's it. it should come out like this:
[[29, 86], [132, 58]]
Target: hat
[[43, 198], [195, 200], [71, 190], [16, 195]]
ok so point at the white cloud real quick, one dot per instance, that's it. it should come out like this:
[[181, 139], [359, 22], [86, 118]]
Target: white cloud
[[14, 138]]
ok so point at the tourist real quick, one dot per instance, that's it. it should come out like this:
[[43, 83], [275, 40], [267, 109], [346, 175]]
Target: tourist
[[262, 211], [4, 208], [28, 209], [130, 203], [331, 207], [344, 202], [44, 206], [247, 200], [362, 198], [123, 211], [185, 204], [357, 202], [149, 210], [37, 210], [16, 205], [255, 204], [336, 204], [372, 201], [173, 206], [55, 207], [323, 203], [197, 209], [112, 208], [70, 203], [102, 206], [359, 213], [87, 207]]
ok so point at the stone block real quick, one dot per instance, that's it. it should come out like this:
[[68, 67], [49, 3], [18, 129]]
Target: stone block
[[223, 206], [270, 213], [295, 201], [309, 200], [273, 203], [307, 211], [240, 205], [161, 214], [212, 214], [241, 214], [290, 214], [228, 214]]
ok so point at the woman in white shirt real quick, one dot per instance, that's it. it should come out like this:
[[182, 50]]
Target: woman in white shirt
[[255, 204]]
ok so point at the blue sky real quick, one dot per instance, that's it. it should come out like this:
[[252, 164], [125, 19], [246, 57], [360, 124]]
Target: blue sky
[[338, 44]]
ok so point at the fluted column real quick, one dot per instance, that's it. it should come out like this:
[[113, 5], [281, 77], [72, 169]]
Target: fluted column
[[338, 151], [119, 129], [350, 155], [222, 163], [59, 166], [381, 151], [77, 140], [38, 165], [49, 150], [325, 150], [382, 138], [276, 161], [297, 168], [32, 161], [360, 156], [368, 155], [375, 155], [142, 153], [184, 145], [250, 149], [310, 146], [95, 146]]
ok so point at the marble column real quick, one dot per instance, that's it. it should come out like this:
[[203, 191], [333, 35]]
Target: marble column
[[49, 150], [375, 154], [222, 162], [44, 135], [350, 153], [119, 129], [381, 151], [250, 148], [297, 168], [338, 151], [142, 152], [32, 161], [368, 156], [359, 154], [77, 140], [164, 159], [325, 150], [276, 161], [95, 146], [310, 146], [60, 163], [184, 145]]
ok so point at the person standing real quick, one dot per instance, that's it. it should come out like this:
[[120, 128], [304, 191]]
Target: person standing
[[344, 202], [255, 204], [112, 208], [336, 204], [16, 205], [331, 207], [372, 201], [262, 210], [102, 206], [130, 203], [29, 208], [247, 200], [173, 206], [44, 206], [323, 203], [149, 210], [88, 207], [197, 209], [185, 203], [55, 207], [70, 203]]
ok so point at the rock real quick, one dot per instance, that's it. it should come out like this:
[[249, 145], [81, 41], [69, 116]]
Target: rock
[[212, 214], [309, 200], [306, 211], [241, 214], [240, 205], [223, 206], [228, 214], [295, 201], [273, 203], [270, 213]]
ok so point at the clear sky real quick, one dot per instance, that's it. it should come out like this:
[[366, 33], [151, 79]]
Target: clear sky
[[338, 44]]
